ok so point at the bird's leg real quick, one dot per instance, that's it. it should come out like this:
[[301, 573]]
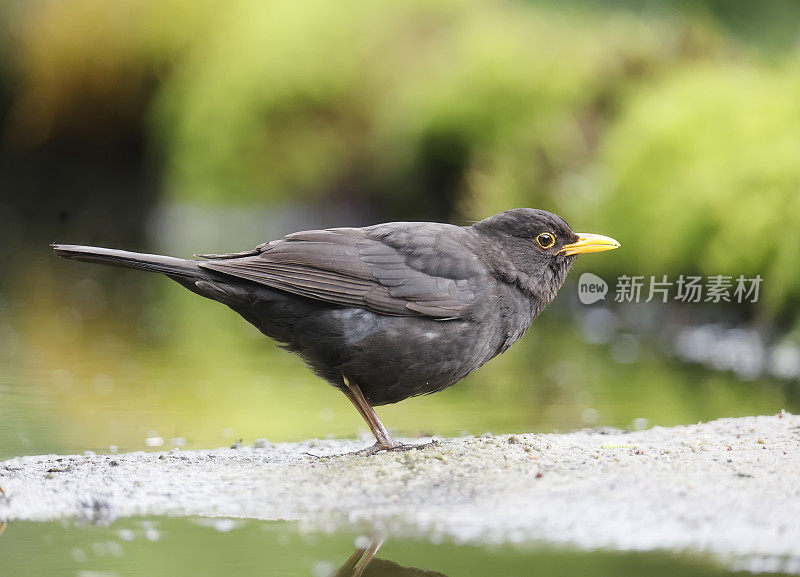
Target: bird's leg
[[384, 440]]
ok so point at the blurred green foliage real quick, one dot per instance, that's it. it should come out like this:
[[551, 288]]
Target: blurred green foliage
[[703, 174], [419, 107], [672, 125]]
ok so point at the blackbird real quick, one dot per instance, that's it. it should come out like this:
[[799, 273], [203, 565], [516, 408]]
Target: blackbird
[[389, 311]]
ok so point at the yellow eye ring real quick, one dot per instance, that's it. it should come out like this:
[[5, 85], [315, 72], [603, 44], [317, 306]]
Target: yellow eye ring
[[546, 240]]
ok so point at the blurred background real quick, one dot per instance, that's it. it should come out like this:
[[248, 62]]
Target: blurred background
[[189, 127]]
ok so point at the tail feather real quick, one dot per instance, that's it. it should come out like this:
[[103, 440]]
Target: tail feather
[[151, 262]]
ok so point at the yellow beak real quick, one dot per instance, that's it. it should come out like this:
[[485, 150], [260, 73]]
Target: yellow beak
[[588, 242]]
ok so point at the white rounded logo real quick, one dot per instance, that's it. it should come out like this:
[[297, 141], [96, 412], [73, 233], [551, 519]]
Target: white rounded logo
[[591, 288]]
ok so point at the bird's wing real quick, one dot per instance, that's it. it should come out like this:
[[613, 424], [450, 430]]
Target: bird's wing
[[389, 271]]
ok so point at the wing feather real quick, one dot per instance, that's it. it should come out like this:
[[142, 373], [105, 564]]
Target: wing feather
[[359, 268]]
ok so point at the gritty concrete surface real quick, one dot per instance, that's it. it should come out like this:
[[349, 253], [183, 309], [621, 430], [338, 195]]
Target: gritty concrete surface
[[729, 487]]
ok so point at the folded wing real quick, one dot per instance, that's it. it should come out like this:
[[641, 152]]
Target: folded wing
[[385, 270]]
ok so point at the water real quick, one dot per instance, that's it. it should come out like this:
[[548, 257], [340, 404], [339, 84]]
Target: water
[[195, 547]]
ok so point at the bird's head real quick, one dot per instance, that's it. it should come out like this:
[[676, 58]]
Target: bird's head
[[540, 247]]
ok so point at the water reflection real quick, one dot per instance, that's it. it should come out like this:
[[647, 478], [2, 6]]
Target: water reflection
[[190, 547], [361, 563], [364, 563]]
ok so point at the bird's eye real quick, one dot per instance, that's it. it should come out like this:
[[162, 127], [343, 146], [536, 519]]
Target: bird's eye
[[546, 240]]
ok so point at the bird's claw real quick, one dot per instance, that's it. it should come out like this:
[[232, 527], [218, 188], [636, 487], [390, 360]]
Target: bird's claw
[[394, 446], [376, 448]]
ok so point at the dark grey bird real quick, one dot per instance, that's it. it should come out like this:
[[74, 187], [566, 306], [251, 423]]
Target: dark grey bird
[[389, 311]]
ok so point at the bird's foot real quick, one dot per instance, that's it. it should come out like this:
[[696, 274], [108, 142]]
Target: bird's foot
[[377, 447], [392, 446]]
